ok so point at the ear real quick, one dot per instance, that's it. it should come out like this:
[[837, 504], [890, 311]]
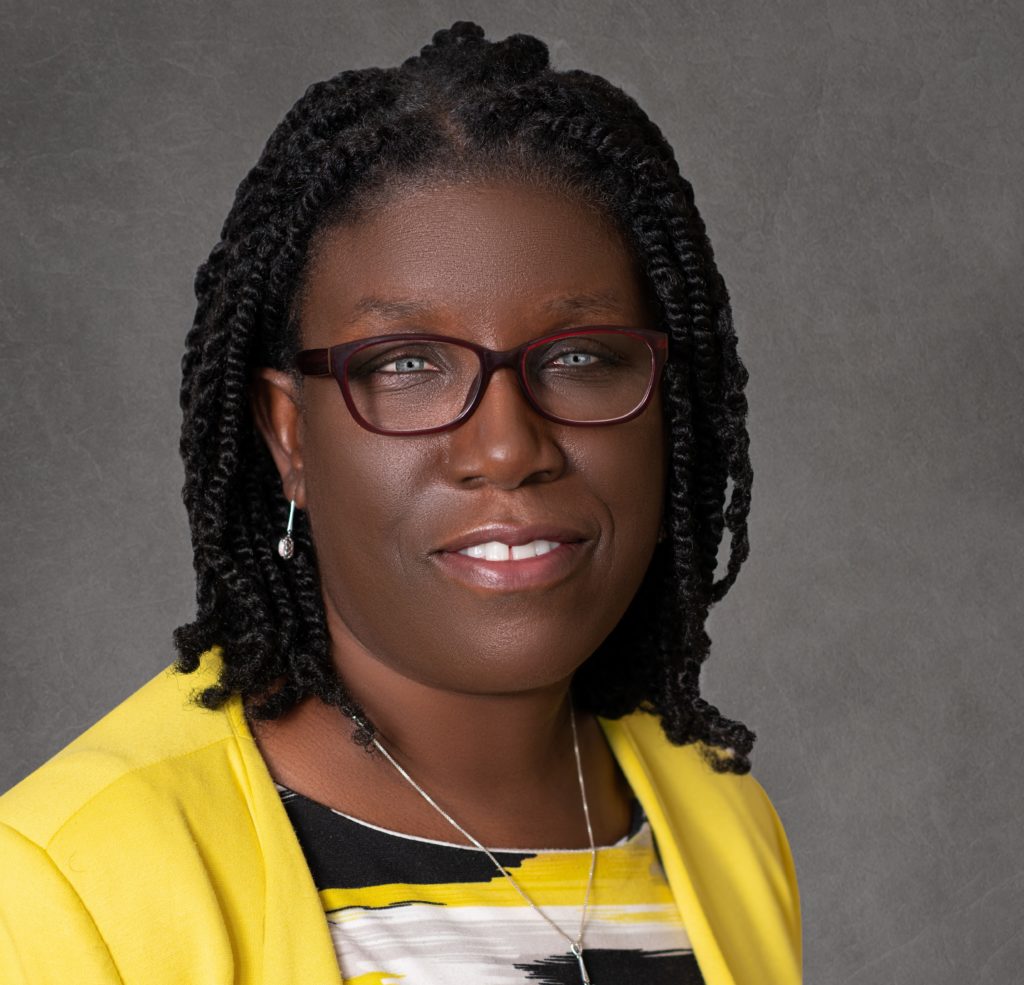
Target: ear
[[277, 413]]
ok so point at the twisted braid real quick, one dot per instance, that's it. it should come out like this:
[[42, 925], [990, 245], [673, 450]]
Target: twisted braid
[[463, 107], [705, 407]]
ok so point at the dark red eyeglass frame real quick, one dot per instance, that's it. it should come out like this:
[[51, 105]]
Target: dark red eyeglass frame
[[334, 362]]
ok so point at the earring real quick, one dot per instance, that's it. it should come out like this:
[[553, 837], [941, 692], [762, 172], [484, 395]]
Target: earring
[[286, 546]]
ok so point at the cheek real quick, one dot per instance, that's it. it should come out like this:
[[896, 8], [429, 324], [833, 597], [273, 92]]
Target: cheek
[[357, 488], [627, 469]]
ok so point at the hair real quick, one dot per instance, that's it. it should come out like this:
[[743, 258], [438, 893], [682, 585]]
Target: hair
[[464, 107]]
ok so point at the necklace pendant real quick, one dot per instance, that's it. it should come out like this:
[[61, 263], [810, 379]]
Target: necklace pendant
[[577, 952]]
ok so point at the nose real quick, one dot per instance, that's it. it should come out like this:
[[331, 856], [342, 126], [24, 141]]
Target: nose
[[504, 442]]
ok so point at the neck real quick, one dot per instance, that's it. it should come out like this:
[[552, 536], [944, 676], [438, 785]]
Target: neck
[[501, 764], [451, 740]]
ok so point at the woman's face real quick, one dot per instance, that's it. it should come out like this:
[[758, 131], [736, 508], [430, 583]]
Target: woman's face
[[498, 264]]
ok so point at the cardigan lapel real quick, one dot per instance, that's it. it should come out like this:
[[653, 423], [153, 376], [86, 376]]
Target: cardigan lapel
[[296, 945], [724, 855], [672, 850]]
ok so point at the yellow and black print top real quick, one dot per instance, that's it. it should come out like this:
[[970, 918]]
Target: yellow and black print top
[[410, 911]]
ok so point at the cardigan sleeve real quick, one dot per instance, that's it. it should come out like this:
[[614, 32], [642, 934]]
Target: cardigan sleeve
[[47, 936]]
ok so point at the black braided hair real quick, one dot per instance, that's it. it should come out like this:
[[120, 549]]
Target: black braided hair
[[464, 107]]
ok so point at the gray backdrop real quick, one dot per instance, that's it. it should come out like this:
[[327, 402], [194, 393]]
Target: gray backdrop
[[858, 165]]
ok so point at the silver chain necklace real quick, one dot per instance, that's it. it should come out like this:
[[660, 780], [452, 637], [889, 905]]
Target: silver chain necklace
[[575, 943]]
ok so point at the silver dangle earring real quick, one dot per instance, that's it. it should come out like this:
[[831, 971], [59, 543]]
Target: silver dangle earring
[[286, 546]]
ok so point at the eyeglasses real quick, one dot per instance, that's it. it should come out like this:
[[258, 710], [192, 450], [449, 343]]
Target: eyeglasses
[[418, 384]]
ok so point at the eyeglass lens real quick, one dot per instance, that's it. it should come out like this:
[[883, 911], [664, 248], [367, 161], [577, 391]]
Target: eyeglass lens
[[401, 385]]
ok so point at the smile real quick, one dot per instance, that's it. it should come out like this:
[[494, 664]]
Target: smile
[[495, 550], [515, 557]]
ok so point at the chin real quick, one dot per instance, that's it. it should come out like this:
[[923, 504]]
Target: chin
[[526, 664]]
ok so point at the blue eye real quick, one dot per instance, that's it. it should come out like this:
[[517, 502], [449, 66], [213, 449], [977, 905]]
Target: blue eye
[[405, 364], [575, 359]]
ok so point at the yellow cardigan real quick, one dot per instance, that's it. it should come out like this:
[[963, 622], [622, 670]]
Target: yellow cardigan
[[154, 850]]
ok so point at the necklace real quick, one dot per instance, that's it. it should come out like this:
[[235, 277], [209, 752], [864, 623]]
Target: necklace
[[575, 943]]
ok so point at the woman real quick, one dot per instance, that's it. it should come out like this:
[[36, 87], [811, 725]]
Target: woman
[[461, 403]]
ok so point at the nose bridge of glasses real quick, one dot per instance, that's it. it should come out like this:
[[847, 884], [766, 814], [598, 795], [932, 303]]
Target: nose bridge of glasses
[[494, 359], [491, 360]]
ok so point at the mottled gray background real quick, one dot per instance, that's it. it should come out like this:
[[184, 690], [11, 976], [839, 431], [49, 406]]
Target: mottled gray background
[[858, 165]]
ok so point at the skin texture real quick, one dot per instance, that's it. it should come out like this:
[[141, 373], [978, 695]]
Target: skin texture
[[467, 683]]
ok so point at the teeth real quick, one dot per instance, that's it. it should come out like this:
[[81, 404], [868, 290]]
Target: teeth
[[534, 549], [494, 550]]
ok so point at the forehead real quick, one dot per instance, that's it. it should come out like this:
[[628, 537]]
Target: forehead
[[468, 256]]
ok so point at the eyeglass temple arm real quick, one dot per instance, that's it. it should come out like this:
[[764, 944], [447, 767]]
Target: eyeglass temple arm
[[314, 362]]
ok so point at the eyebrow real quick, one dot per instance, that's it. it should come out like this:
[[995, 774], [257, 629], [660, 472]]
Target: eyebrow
[[393, 309], [599, 302], [587, 302]]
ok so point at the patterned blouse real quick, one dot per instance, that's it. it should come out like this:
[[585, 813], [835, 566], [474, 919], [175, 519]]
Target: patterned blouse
[[411, 911]]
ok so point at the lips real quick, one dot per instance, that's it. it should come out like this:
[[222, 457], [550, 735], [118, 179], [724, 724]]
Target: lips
[[512, 535], [514, 557], [494, 550]]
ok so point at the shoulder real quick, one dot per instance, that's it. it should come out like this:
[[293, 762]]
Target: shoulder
[[134, 751], [725, 853], [158, 808], [727, 809], [640, 739]]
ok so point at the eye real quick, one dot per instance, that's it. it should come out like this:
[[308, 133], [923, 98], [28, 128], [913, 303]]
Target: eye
[[575, 358], [405, 364], [391, 360], [581, 352]]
